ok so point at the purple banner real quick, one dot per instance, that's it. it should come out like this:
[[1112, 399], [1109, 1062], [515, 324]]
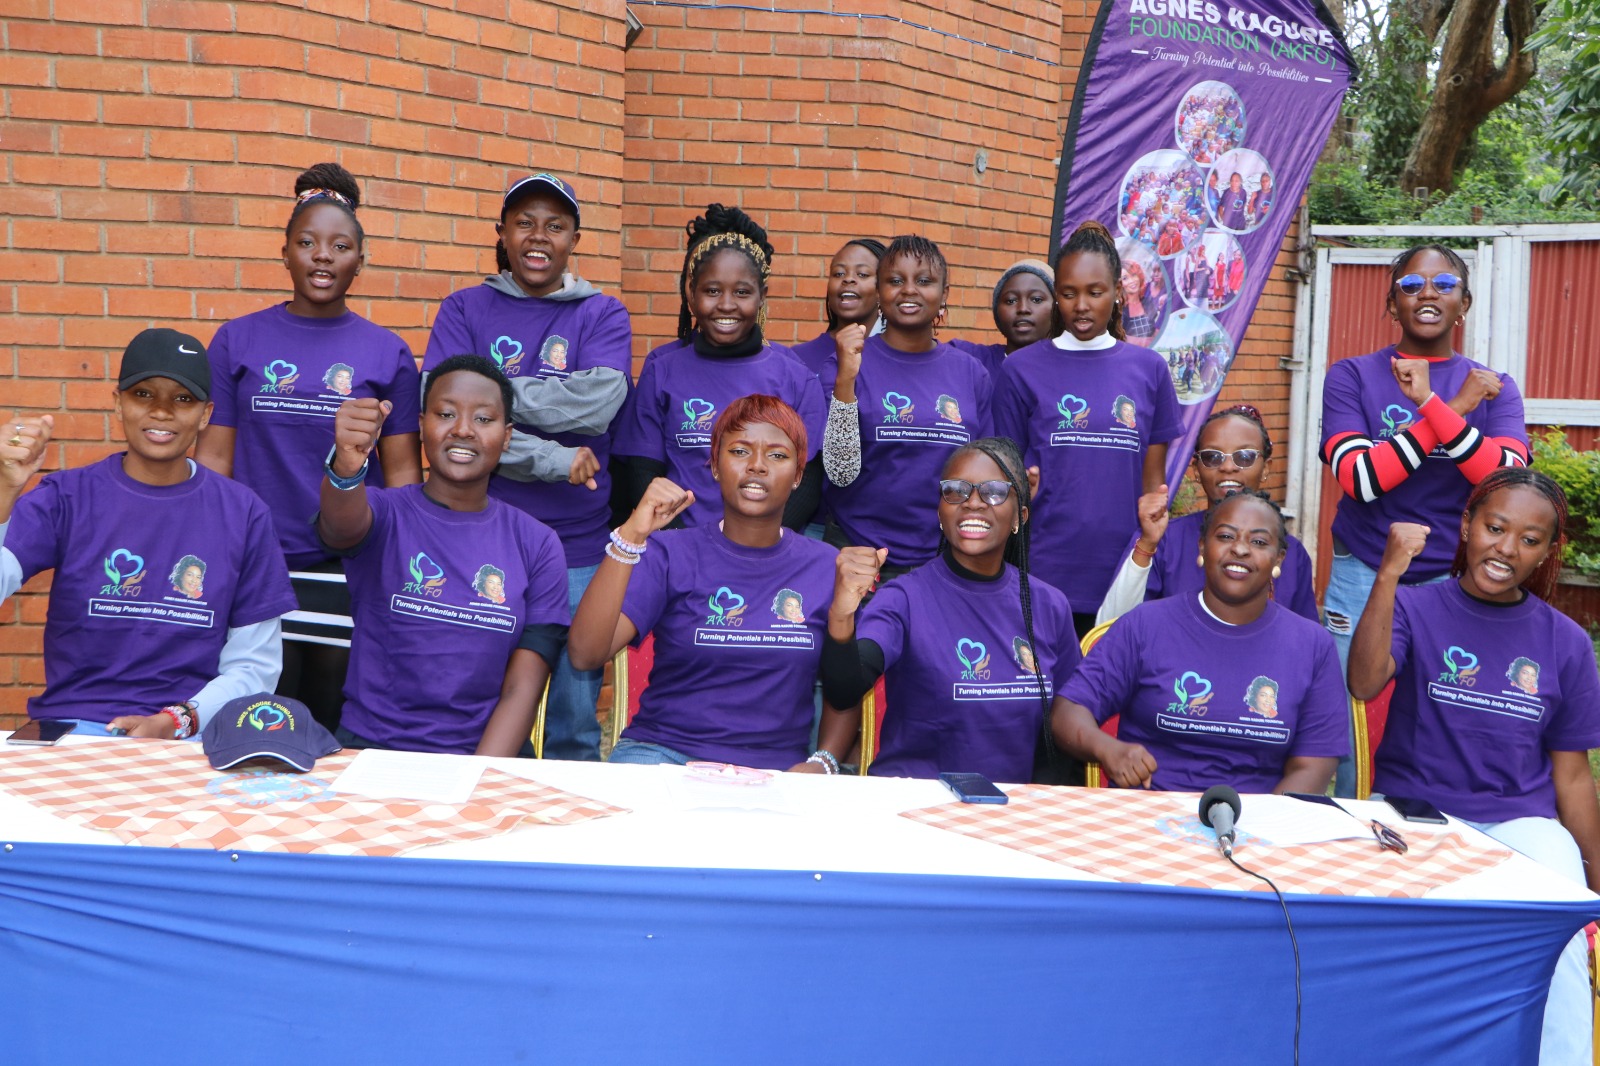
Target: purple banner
[[1194, 129]]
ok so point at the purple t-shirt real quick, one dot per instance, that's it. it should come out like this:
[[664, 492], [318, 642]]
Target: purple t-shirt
[[1362, 397], [440, 599], [821, 357], [278, 379], [536, 337], [738, 641], [1173, 571], [960, 691], [990, 355], [679, 397], [1217, 704], [1465, 732], [1063, 407], [148, 581], [915, 410]]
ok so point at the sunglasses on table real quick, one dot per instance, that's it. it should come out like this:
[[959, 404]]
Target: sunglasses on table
[[993, 493], [1211, 458], [1443, 284]]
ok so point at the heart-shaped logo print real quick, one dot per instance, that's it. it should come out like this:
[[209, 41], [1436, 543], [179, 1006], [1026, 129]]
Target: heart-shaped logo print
[[1396, 417], [266, 717], [123, 564], [725, 602], [424, 571], [697, 410], [278, 372], [896, 402], [1459, 660], [506, 352], [972, 653], [1072, 406], [1191, 687]]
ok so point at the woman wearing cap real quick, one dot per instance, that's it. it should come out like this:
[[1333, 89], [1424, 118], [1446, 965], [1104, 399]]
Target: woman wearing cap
[[1024, 312], [124, 649], [566, 348], [281, 373]]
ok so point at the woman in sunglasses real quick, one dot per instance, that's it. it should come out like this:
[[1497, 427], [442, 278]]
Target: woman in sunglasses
[[1218, 685], [1230, 456], [1400, 450], [972, 650]]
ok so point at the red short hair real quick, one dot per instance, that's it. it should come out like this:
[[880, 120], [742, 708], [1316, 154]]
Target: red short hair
[[748, 410]]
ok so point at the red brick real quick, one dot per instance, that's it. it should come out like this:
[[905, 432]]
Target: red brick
[[192, 209], [293, 88], [24, 70], [56, 363], [144, 111], [53, 38], [102, 75], [103, 12], [150, 303], [189, 15], [455, 86], [274, 20], [241, 51], [57, 106], [145, 45], [107, 270], [339, 128], [191, 81], [27, 137], [105, 204], [254, 116], [55, 236], [60, 300]]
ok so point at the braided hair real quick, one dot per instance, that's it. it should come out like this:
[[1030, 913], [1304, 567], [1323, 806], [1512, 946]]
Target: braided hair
[[1094, 239], [1007, 455], [1249, 414], [327, 183], [1542, 582], [920, 249], [1397, 267], [719, 228], [872, 245]]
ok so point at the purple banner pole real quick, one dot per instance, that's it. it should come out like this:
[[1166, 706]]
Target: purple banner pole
[[1193, 133]]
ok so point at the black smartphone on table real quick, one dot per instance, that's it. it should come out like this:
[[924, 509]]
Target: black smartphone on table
[[973, 788], [1415, 810], [41, 732]]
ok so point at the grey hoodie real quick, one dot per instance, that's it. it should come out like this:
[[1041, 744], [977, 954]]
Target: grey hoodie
[[584, 402]]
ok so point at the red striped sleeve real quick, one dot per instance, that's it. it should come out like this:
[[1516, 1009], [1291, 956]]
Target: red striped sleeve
[[1366, 470], [1475, 455]]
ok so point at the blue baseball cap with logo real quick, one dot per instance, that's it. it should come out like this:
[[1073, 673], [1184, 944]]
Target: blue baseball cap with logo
[[542, 183], [265, 726]]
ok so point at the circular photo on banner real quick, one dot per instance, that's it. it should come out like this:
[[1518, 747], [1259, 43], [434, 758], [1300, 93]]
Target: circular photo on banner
[[1162, 203], [1198, 353], [1147, 293], [1240, 190], [1211, 273], [1209, 122]]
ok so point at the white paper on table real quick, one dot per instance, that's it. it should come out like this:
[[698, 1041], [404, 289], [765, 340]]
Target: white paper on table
[[433, 778], [690, 793], [1282, 820]]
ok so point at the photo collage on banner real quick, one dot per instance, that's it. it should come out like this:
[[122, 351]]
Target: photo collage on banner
[[1194, 130]]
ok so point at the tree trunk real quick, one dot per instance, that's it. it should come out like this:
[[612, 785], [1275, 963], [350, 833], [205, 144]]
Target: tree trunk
[[1469, 86]]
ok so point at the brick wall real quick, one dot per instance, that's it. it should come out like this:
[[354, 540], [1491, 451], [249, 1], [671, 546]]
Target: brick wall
[[146, 160]]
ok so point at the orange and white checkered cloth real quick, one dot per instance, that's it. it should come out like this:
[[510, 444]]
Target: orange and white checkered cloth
[[167, 795], [1156, 838]]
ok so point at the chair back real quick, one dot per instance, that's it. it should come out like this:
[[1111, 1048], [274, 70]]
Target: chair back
[[1093, 776], [630, 674]]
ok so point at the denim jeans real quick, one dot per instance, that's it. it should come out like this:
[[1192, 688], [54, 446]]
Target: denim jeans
[[644, 753], [571, 730]]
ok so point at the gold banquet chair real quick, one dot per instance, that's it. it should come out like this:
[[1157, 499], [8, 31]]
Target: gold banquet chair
[[1092, 775]]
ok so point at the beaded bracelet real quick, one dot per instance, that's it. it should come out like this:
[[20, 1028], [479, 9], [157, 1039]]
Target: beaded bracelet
[[624, 547], [182, 720], [621, 557], [1140, 551], [825, 759]]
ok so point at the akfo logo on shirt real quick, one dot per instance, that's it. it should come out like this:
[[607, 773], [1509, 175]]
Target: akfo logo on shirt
[[727, 608], [899, 408], [124, 570], [1193, 692], [280, 376], [1460, 667], [268, 717], [507, 355], [698, 413], [427, 577], [974, 658], [1396, 419], [1074, 412]]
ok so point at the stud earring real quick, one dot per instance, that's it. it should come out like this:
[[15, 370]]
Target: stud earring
[[1200, 560], [1277, 572]]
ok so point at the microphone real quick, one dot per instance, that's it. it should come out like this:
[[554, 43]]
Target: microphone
[[1219, 809]]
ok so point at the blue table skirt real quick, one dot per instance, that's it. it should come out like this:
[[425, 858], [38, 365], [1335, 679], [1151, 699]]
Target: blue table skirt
[[132, 955]]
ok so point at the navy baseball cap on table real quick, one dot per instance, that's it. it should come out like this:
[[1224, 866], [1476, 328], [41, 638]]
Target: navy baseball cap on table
[[540, 183], [166, 353], [265, 726]]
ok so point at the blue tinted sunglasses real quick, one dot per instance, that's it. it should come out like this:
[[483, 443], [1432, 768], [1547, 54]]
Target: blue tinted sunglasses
[[1443, 284]]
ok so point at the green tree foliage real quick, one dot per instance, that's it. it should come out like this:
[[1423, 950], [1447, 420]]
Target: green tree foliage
[[1578, 474]]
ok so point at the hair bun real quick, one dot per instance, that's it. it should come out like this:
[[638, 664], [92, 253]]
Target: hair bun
[[334, 178]]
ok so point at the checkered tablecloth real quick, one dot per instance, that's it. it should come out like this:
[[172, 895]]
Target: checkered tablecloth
[[166, 795], [1156, 838]]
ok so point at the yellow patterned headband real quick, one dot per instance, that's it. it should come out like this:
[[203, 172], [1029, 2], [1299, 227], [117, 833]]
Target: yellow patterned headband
[[729, 240], [316, 194]]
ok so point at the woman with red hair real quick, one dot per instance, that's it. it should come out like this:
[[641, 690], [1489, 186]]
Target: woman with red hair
[[738, 609]]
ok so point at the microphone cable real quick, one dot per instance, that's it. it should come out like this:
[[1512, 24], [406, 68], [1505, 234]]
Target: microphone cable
[[1293, 942]]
